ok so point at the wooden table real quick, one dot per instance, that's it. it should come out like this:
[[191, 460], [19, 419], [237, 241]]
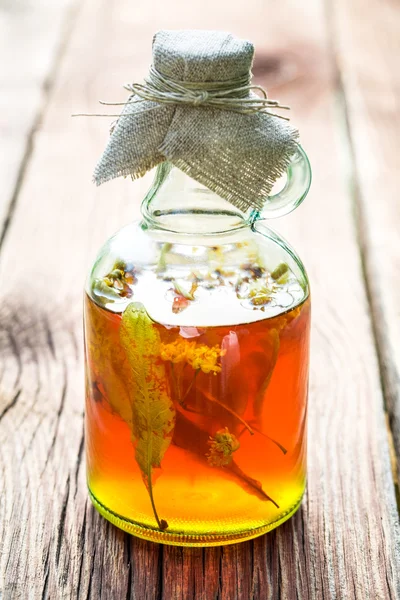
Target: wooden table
[[336, 64]]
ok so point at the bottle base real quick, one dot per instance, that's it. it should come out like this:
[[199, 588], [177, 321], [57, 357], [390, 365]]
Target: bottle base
[[180, 539]]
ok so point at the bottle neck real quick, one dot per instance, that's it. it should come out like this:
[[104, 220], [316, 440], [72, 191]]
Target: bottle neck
[[179, 204]]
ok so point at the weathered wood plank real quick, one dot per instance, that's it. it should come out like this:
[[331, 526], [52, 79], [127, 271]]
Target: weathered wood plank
[[344, 541], [368, 52], [31, 40]]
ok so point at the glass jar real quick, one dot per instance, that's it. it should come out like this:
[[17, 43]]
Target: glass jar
[[197, 346]]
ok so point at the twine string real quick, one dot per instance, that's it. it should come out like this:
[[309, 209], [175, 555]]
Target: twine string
[[233, 95]]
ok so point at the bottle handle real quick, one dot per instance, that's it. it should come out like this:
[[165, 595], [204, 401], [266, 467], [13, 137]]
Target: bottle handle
[[298, 181]]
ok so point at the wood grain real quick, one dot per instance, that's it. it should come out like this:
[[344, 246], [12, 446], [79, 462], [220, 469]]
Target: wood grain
[[344, 542], [368, 53], [32, 33]]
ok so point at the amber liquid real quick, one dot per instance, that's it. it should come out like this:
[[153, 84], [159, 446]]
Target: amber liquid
[[258, 396]]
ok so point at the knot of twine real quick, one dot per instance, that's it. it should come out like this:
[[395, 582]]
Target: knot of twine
[[233, 95], [226, 95]]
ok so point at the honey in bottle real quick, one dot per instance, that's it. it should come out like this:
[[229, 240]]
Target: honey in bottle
[[197, 343], [197, 315]]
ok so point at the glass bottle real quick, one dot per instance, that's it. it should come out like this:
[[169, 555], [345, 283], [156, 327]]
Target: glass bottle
[[197, 343]]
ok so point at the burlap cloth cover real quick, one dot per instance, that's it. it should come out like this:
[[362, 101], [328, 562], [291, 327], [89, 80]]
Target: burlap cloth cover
[[237, 156]]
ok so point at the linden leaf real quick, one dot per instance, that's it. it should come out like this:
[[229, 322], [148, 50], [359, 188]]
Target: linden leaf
[[194, 438], [152, 408], [107, 368]]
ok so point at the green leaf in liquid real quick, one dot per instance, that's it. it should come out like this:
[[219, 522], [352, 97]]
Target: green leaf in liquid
[[153, 413]]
